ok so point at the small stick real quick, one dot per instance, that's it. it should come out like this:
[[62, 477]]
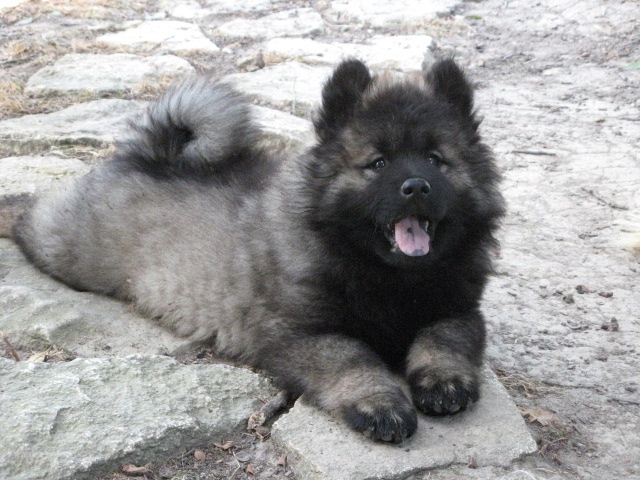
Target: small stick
[[12, 350], [535, 152], [595, 195]]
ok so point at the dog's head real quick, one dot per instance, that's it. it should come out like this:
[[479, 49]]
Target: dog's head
[[399, 169]]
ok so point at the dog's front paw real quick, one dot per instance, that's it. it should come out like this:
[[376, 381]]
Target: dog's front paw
[[443, 396], [389, 417]]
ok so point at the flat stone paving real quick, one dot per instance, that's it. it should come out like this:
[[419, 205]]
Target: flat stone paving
[[77, 419], [292, 86], [288, 23], [161, 35], [96, 73], [94, 123], [490, 432], [402, 52]]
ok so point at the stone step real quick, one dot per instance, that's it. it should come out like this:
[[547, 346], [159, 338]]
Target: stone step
[[194, 9], [80, 419], [402, 52], [30, 175], [490, 433], [37, 312], [289, 23], [99, 74], [293, 86], [161, 35], [94, 123]]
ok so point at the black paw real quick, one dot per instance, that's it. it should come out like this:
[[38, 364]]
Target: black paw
[[444, 396], [387, 417]]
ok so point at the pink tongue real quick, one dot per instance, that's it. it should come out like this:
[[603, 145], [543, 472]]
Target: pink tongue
[[412, 239]]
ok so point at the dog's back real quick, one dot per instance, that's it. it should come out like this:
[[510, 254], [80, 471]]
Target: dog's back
[[142, 225]]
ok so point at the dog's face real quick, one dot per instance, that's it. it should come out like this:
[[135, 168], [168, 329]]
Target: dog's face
[[400, 170]]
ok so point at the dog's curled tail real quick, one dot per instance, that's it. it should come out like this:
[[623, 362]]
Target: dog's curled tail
[[197, 126]]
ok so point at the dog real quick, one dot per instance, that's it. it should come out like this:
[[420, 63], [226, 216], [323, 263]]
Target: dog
[[333, 270]]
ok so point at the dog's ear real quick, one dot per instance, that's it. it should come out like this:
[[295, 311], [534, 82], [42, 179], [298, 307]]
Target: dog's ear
[[450, 83], [340, 97]]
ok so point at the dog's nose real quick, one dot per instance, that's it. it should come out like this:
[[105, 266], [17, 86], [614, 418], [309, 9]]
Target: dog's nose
[[415, 187]]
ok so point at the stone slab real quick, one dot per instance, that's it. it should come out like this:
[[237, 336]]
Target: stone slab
[[386, 14], [283, 128], [37, 312], [402, 52], [492, 433], [163, 35], [80, 419], [288, 23], [32, 174], [291, 86], [99, 74], [92, 123], [205, 8]]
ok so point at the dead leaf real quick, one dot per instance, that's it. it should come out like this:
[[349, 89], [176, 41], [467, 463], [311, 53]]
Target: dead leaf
[[223, 446], [199, 455], [262, 433], [134, 470], [282, 461], [249, 470], [543, 417]]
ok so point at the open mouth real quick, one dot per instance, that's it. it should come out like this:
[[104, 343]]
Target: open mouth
[[410, 236]]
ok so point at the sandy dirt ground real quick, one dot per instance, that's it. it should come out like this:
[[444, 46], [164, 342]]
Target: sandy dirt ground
[[561, 103]]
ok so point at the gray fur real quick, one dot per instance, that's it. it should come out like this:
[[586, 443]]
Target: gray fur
[[216, 116], [277, 260]]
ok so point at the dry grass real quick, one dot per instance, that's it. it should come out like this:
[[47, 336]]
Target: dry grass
[[443, 27], [12, 99], [14, 102], [52, 354], [89, 154], [81, 9], [30, 45], [519, 384]]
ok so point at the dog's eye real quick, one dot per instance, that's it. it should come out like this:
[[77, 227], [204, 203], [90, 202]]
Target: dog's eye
[[378, 163], [435, 159]]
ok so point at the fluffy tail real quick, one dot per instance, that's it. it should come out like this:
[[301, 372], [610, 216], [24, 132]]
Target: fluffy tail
[[198, 126]]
